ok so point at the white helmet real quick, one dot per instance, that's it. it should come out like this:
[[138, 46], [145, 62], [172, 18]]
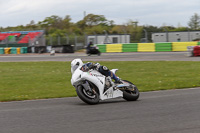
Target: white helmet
[[75, 64]]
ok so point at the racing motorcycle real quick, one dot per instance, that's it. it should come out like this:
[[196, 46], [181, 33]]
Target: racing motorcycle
[[93, 50], [91, 86]]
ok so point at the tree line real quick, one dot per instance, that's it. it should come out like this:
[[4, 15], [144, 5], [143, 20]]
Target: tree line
[[93, 24]]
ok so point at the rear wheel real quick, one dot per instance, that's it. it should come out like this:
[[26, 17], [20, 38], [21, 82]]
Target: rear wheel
[[130, 95], [99, 53], [87, 96]]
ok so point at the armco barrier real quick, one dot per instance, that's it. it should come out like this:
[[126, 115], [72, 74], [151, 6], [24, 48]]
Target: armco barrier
[[182, 46]]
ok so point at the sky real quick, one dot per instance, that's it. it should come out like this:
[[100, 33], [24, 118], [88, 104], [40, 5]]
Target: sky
[[147, 12]]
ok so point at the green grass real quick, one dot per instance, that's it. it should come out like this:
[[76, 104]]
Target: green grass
[[39, 80]]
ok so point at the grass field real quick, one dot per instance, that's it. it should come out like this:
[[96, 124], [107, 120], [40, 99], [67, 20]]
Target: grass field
[[39, 80]]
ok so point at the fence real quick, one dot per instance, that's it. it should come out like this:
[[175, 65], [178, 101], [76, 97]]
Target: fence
[[79, 42]]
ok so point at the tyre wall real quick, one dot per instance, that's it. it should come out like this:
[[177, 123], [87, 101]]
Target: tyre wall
[[146, 47], [13, 50]]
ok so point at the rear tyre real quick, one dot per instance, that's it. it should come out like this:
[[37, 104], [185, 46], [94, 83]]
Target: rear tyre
[[87, 97], [99, 53], [131, 95]]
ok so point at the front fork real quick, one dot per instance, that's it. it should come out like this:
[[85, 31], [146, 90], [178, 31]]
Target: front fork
[[87, 87]]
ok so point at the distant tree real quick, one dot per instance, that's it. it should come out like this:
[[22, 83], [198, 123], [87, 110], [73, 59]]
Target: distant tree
[[180, 29], [194, 22], [81, 24], [117, 29], [31, 25], [99, 29], [167, 28], [111, 23], [53, 21], [94, 24], [92, 20], [67, 22], [132, 28], [150, 29]]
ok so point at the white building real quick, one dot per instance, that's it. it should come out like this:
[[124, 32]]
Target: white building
[[108, 39], [176, 36]]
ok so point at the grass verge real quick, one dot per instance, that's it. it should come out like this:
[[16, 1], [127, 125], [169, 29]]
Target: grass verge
[[39, 80]]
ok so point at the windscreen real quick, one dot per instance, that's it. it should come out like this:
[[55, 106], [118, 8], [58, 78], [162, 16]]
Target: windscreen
[[74, 68]]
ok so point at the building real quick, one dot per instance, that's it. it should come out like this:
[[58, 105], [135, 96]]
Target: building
[[109, 39], [176, 36]]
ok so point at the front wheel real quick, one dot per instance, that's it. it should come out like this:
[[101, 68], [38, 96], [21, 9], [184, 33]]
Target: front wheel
[[191, 54], [131, 95], [87, 97]]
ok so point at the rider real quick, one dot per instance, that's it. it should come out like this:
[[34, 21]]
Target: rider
[[103, 70], [89, 46]]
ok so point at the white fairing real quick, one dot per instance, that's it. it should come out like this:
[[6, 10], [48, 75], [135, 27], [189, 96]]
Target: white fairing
[[76, 76], [97, 79], [114, 70], [75, 64]]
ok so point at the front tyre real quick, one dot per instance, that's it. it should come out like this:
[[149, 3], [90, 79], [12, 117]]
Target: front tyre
[[131, 95], [87, 97]]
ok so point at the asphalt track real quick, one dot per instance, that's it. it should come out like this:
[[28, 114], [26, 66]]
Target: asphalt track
[[135, 56], [172, 111]]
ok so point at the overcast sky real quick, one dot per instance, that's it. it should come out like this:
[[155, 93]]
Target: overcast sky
[[146, 12]]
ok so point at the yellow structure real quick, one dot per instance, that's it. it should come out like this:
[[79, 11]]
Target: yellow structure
[[114, 48], [182, 46], [7, 50], [18, 50], [146, 47]]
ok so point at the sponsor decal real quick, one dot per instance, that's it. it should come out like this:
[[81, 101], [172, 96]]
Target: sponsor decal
[[90, 73], [97, 75]]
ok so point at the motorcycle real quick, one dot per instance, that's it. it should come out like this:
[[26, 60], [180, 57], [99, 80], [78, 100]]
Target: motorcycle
[[91, 86], [93, 50]]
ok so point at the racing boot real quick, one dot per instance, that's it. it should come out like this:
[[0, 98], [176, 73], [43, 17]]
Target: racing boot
[[117, 79]]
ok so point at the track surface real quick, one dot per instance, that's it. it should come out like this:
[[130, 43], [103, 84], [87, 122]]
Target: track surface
[[137, 56], [174, 111]]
